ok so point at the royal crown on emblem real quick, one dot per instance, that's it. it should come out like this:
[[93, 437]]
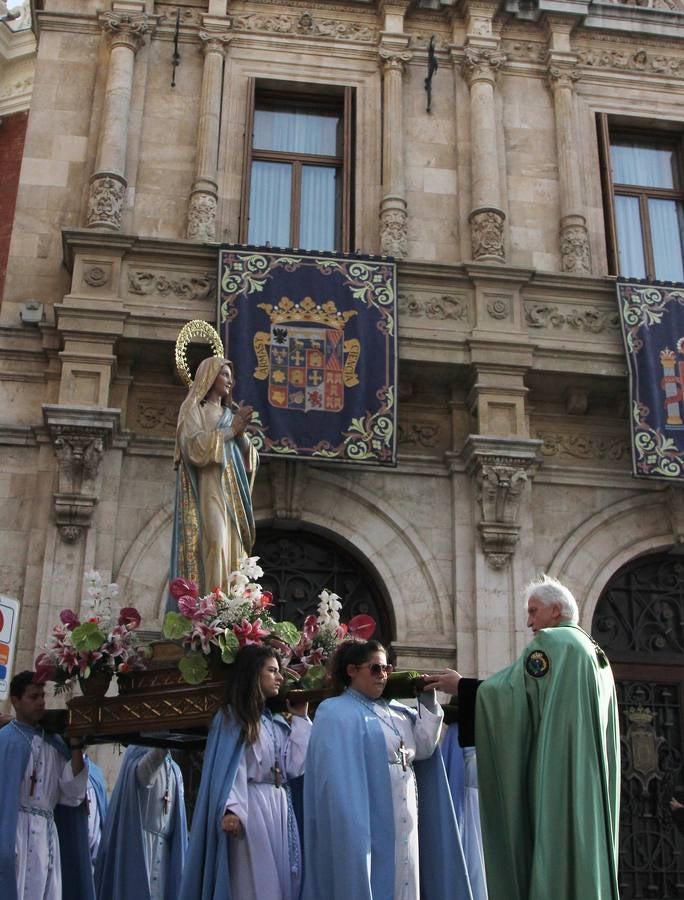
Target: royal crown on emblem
[[307, 310]]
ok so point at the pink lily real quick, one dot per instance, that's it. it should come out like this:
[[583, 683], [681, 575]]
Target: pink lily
[[250, 632]]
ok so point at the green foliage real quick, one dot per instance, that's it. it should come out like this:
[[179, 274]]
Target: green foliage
[[176, 626], [314, 678], [287, 632], [194, 668], [229, 645], [87, 637]]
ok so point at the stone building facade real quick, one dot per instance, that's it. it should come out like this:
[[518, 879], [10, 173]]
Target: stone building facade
[[514, 450]]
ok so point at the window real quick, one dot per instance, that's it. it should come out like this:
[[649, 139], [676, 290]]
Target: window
[[297, 182], [644, 203]]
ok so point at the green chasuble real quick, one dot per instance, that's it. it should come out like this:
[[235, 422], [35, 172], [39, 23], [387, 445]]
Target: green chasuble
[[548, 758]]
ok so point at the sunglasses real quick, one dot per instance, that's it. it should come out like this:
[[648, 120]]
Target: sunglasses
[[378, 668]]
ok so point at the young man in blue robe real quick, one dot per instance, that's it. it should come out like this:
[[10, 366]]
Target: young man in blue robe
[[144, 838], [43, 816]]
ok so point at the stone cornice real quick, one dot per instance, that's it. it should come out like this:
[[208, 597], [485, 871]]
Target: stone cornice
[[66, 22]]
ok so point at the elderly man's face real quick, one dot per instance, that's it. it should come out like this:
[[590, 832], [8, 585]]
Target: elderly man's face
[[540, 616]]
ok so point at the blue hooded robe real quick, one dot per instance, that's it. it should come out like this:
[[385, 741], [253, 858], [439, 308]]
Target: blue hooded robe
[[71, 822], [349, 820], [120, 869]]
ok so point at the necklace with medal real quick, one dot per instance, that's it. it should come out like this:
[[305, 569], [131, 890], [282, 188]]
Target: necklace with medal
[[34, 757], [401, 753], [275, 768]]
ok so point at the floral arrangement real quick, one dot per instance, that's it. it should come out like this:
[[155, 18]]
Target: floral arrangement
[[220, 623], [105, 641]]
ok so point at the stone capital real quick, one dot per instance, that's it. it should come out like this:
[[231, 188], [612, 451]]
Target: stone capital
[[393, 59], [126, 29], [563, 76], [487, 234], [79, 437], [481, 64], [501, 470], [212, 42]]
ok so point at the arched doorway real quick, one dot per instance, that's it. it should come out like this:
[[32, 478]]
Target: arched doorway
[[299, 564], [639, 621]]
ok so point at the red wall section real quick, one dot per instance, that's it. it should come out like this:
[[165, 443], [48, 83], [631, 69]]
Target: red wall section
[[12, 134]]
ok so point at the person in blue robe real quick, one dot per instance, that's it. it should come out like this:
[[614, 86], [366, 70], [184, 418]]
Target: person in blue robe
[[29, 762], [370, 768], [97, 807], [244, 840], [144, 837], [461, 768]]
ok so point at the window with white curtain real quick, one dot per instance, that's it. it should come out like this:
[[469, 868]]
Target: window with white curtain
[[644, 209], [298, 180]]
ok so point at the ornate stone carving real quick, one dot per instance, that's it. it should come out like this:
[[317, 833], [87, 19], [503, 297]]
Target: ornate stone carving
[[125, 30], [500, 482], [79, 437], [486, 232], [394, 233], [640, 60], [189, 287], [167, 14], [202, 217], [524, 51], [557, 77], [105, 201], [96, 276], [306, 24], [592, 320], [393, 60], [583, 446], [421, 41], [479, 64], [500, 478], [665, 5], [575, 251], [215, 43], [418, 434], [442, 307], [150, 415], [499, 308]]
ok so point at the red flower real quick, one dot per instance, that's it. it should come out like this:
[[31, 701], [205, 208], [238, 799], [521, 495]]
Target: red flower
[[181, 586], [310, 628], [45, 668], [266, 600], [130, 617], [69, 618], [249, 632], [362, 627]]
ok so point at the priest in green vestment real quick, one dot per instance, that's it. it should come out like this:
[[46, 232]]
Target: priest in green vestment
[[548, 754]]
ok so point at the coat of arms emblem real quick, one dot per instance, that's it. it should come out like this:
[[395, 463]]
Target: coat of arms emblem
[[305, 357]]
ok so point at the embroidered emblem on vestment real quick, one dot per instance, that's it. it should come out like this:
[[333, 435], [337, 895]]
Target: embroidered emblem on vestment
[[537, 664]]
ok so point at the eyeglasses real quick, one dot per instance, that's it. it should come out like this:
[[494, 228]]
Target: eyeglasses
[[378, 668]]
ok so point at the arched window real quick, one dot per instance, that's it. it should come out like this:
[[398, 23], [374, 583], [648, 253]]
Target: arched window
[[639, 622]]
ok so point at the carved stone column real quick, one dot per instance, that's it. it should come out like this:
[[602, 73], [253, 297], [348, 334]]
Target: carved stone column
[[574, 238], [486, 219], [393, 217], [502, 470], [204, 194], [79, 436], [108, 183]]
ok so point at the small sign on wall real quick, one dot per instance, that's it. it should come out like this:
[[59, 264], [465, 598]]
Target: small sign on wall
[[9, 628]]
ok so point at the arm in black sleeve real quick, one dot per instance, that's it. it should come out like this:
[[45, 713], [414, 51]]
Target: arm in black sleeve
[[467, 694]]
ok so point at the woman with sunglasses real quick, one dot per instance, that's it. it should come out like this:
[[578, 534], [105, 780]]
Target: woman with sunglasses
[[378, 821], [244, 840]]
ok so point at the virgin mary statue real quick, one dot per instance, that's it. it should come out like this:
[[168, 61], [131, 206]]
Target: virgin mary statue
[[213, 522]]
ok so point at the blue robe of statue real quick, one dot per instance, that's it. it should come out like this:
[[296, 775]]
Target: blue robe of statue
[[120, 869], [348, 815], [71, 822]]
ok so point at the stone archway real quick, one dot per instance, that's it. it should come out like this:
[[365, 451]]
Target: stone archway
[[639, 621], [299, 564]]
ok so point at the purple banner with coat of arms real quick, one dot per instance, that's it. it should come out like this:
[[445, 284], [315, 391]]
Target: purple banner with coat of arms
[[652, 319], [313, 340]]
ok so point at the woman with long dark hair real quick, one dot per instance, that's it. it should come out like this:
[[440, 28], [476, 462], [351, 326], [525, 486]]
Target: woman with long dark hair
[[244, 840], [378, 821]]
